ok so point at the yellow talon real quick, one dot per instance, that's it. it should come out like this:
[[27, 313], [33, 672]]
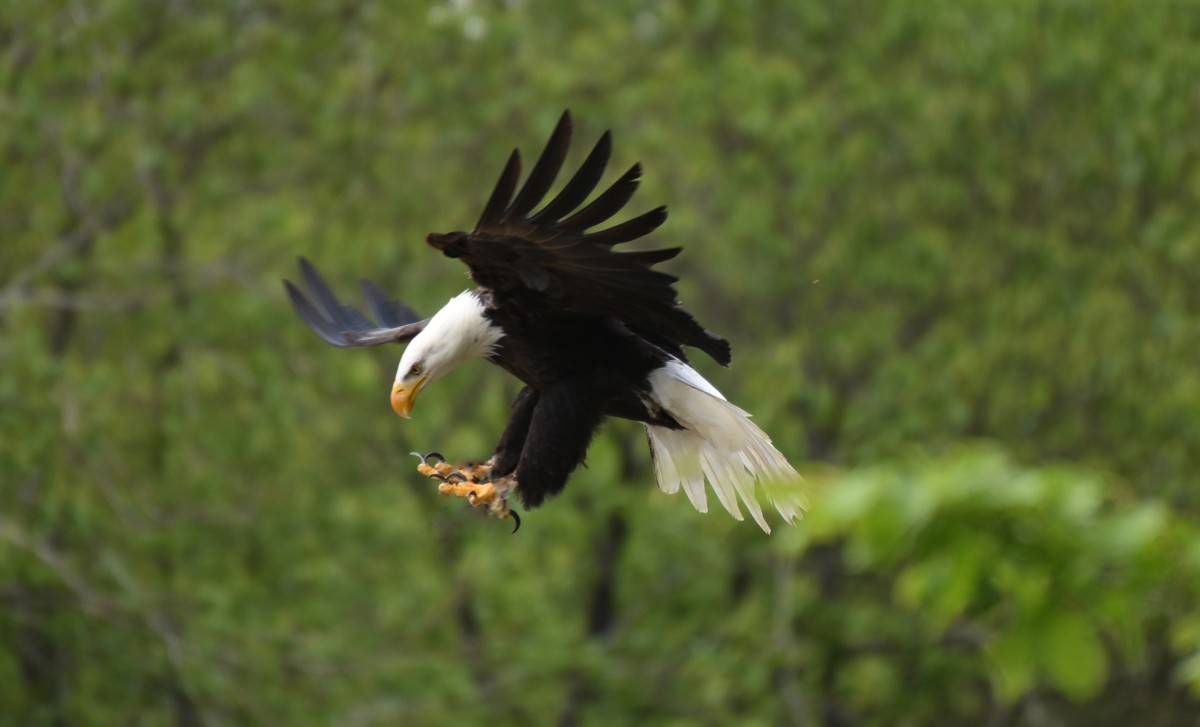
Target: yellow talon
[[441, 468], [480, 472], [474, 486], [475, 493]]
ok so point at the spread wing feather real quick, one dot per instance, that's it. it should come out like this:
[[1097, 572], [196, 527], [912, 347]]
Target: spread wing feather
[[544, 171], [345, 326], [503, 192], [549, 264], [581, 185], [608, 203]]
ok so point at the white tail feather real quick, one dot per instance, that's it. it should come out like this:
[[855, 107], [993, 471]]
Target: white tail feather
[[719, 443]]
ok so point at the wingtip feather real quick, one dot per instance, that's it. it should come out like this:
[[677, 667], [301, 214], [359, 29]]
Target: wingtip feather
[[610, 202], [493, 211], [581, 184]]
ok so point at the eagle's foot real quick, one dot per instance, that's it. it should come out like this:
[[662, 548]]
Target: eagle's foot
[[476, 493], [491, 496], [481, 472], [434, 465], [444, 472], [472, 483], [440, 471]]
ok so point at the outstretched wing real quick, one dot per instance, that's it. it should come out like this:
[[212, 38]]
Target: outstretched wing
[[343, 325], [549, 262]]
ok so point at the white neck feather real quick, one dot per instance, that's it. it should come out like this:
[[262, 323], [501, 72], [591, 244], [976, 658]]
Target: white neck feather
[[462, 322], [459, 331]]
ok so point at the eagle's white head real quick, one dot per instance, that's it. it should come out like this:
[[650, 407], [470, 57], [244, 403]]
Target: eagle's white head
[[459, 331]]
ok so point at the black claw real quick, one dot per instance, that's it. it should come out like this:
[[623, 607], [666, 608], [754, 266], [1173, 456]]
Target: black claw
[[517, 519], [461, 477], [438, 477], [436, 456]]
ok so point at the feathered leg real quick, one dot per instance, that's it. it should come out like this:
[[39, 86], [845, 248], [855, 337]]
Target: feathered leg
[[561, 426], [508, 449]]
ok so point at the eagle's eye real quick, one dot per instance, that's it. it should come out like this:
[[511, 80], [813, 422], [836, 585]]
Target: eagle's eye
[[416, 370]]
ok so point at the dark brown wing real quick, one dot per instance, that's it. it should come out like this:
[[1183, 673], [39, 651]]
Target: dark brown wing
[[549, 261], [343, 325]]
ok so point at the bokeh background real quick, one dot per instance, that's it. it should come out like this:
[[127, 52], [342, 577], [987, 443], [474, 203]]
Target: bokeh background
[[954, 244]]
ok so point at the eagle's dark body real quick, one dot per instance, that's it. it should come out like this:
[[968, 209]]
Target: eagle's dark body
[[577, 372]]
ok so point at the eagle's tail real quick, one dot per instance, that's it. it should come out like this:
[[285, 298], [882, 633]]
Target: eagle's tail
[[720, 443]]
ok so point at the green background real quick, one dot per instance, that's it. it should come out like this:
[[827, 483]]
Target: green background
[[955, 247]]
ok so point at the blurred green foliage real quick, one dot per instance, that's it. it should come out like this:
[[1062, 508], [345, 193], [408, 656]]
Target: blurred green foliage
[[953, 243]]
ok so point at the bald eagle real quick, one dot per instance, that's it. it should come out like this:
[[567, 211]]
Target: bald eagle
[[592, 333]]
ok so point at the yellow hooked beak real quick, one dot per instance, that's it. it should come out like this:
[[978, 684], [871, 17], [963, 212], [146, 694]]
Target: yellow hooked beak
[[403, 397]]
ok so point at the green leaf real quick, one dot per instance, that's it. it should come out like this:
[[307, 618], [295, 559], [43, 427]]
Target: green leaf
[[1072, 655], [1188, 672], [1011, 663]]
